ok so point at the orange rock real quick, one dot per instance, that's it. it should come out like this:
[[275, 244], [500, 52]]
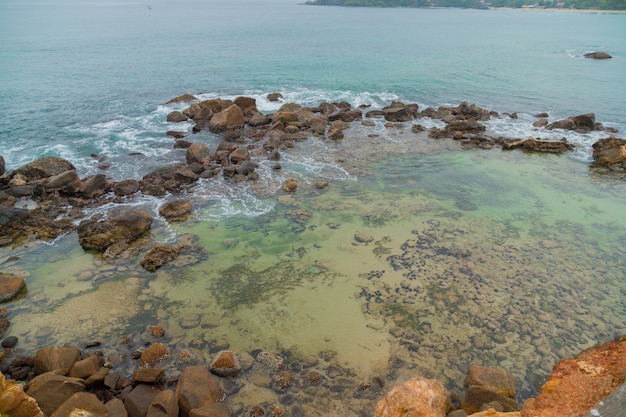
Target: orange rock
[[575, 386], [418, 397], [153, 355]]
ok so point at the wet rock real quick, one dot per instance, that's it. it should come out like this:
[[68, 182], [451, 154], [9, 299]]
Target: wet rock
[[197, 152], [116, 408], [175, 210], [281, 380], [196, 388], [123, 227], [51, 358], [597, 55], [274, 96], [97, 378], [228, 119], [10, 286], [148, 375], [164, 404], [610, 152], [418, 397], [66, 182], [225, 364], [211, 410], [138, 401], [177, 117], [398, 112], [14, 402], [335, 134], [43, 168], [290, 186], [582, 123], [185, 98], [85, 368], [9, 342], [156, 331], [82, 404], [239, 155], [496, 380], [94, 186], [126, 187], [2, 165], [51, 390], [245, 103], [538, 145], [153, 355], [476, 396], [541, 123]]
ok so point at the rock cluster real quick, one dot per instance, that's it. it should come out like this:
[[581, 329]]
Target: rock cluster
[[247, 136]]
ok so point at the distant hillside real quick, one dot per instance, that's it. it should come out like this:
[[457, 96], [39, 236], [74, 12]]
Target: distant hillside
[[576, 4]]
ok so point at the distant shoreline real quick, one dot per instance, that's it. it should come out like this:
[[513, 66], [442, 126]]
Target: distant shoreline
[[534, 9]]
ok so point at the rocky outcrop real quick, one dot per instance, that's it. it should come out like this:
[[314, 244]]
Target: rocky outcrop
[[120, 230], [230, 118], [43, 168], [185, 98], [610, 152], [581, 123], [539, 145], [418, 397], [197, 388], [597, 55], [576, 385]]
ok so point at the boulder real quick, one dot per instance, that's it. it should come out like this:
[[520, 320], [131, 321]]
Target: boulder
[[239, 155], [274, 96], [476, 396], [175, 210], [225, 364], [245, 103], [185, 98], [50, 359], [153, 355], [196, 388], [2, 165], [82, 404], [10, 286], [66, 182], [148, 375], [43, 168], [116, 408], [197, 152], [86, 367], [538, 145], [418, 397], [14, 402], [160, 255], [51, 390], [496, 380], [285, 117], [139, 400], [95, 186], [177, 117], [397, 114], [597, 55], [583, 123], [126, 187], [164, 404], [610, 152], [230, 118], [124, 227]]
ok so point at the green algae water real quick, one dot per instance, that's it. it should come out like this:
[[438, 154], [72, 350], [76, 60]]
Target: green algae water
[[418, 263], [420, 257]]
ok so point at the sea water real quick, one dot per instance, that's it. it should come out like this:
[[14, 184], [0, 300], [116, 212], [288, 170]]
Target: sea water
[[472, 256]]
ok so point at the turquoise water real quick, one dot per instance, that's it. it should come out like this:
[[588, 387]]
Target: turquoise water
[[486, 257]]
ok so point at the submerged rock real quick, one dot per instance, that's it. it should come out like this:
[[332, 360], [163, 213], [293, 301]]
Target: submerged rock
[[610, 152], [10, 286], [597, 55], [124, 228]]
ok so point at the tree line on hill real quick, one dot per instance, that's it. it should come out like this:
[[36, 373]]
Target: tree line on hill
[[566, 4]]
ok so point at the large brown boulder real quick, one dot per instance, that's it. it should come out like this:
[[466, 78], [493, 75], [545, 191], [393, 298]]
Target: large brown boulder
[[66, 182], [610, 152], [43, 168], [124, 227], [160, 255], [164, 404], [14, 402], [539, 145], [82, 404], [476, 396], [175, 210], [245, 103], [582, 123], [185, 98], [196, 388], [50, 359], [10, 286], [138, 401], [230, 118], [2, 165], [418, 397], [95, 185], [197, 152], [177, 117], [51, 390]]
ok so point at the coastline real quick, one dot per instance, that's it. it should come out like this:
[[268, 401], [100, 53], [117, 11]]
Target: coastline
[[535, 9]]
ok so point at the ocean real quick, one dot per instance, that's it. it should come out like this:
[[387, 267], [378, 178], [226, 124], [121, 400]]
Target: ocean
[[503, 259]]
